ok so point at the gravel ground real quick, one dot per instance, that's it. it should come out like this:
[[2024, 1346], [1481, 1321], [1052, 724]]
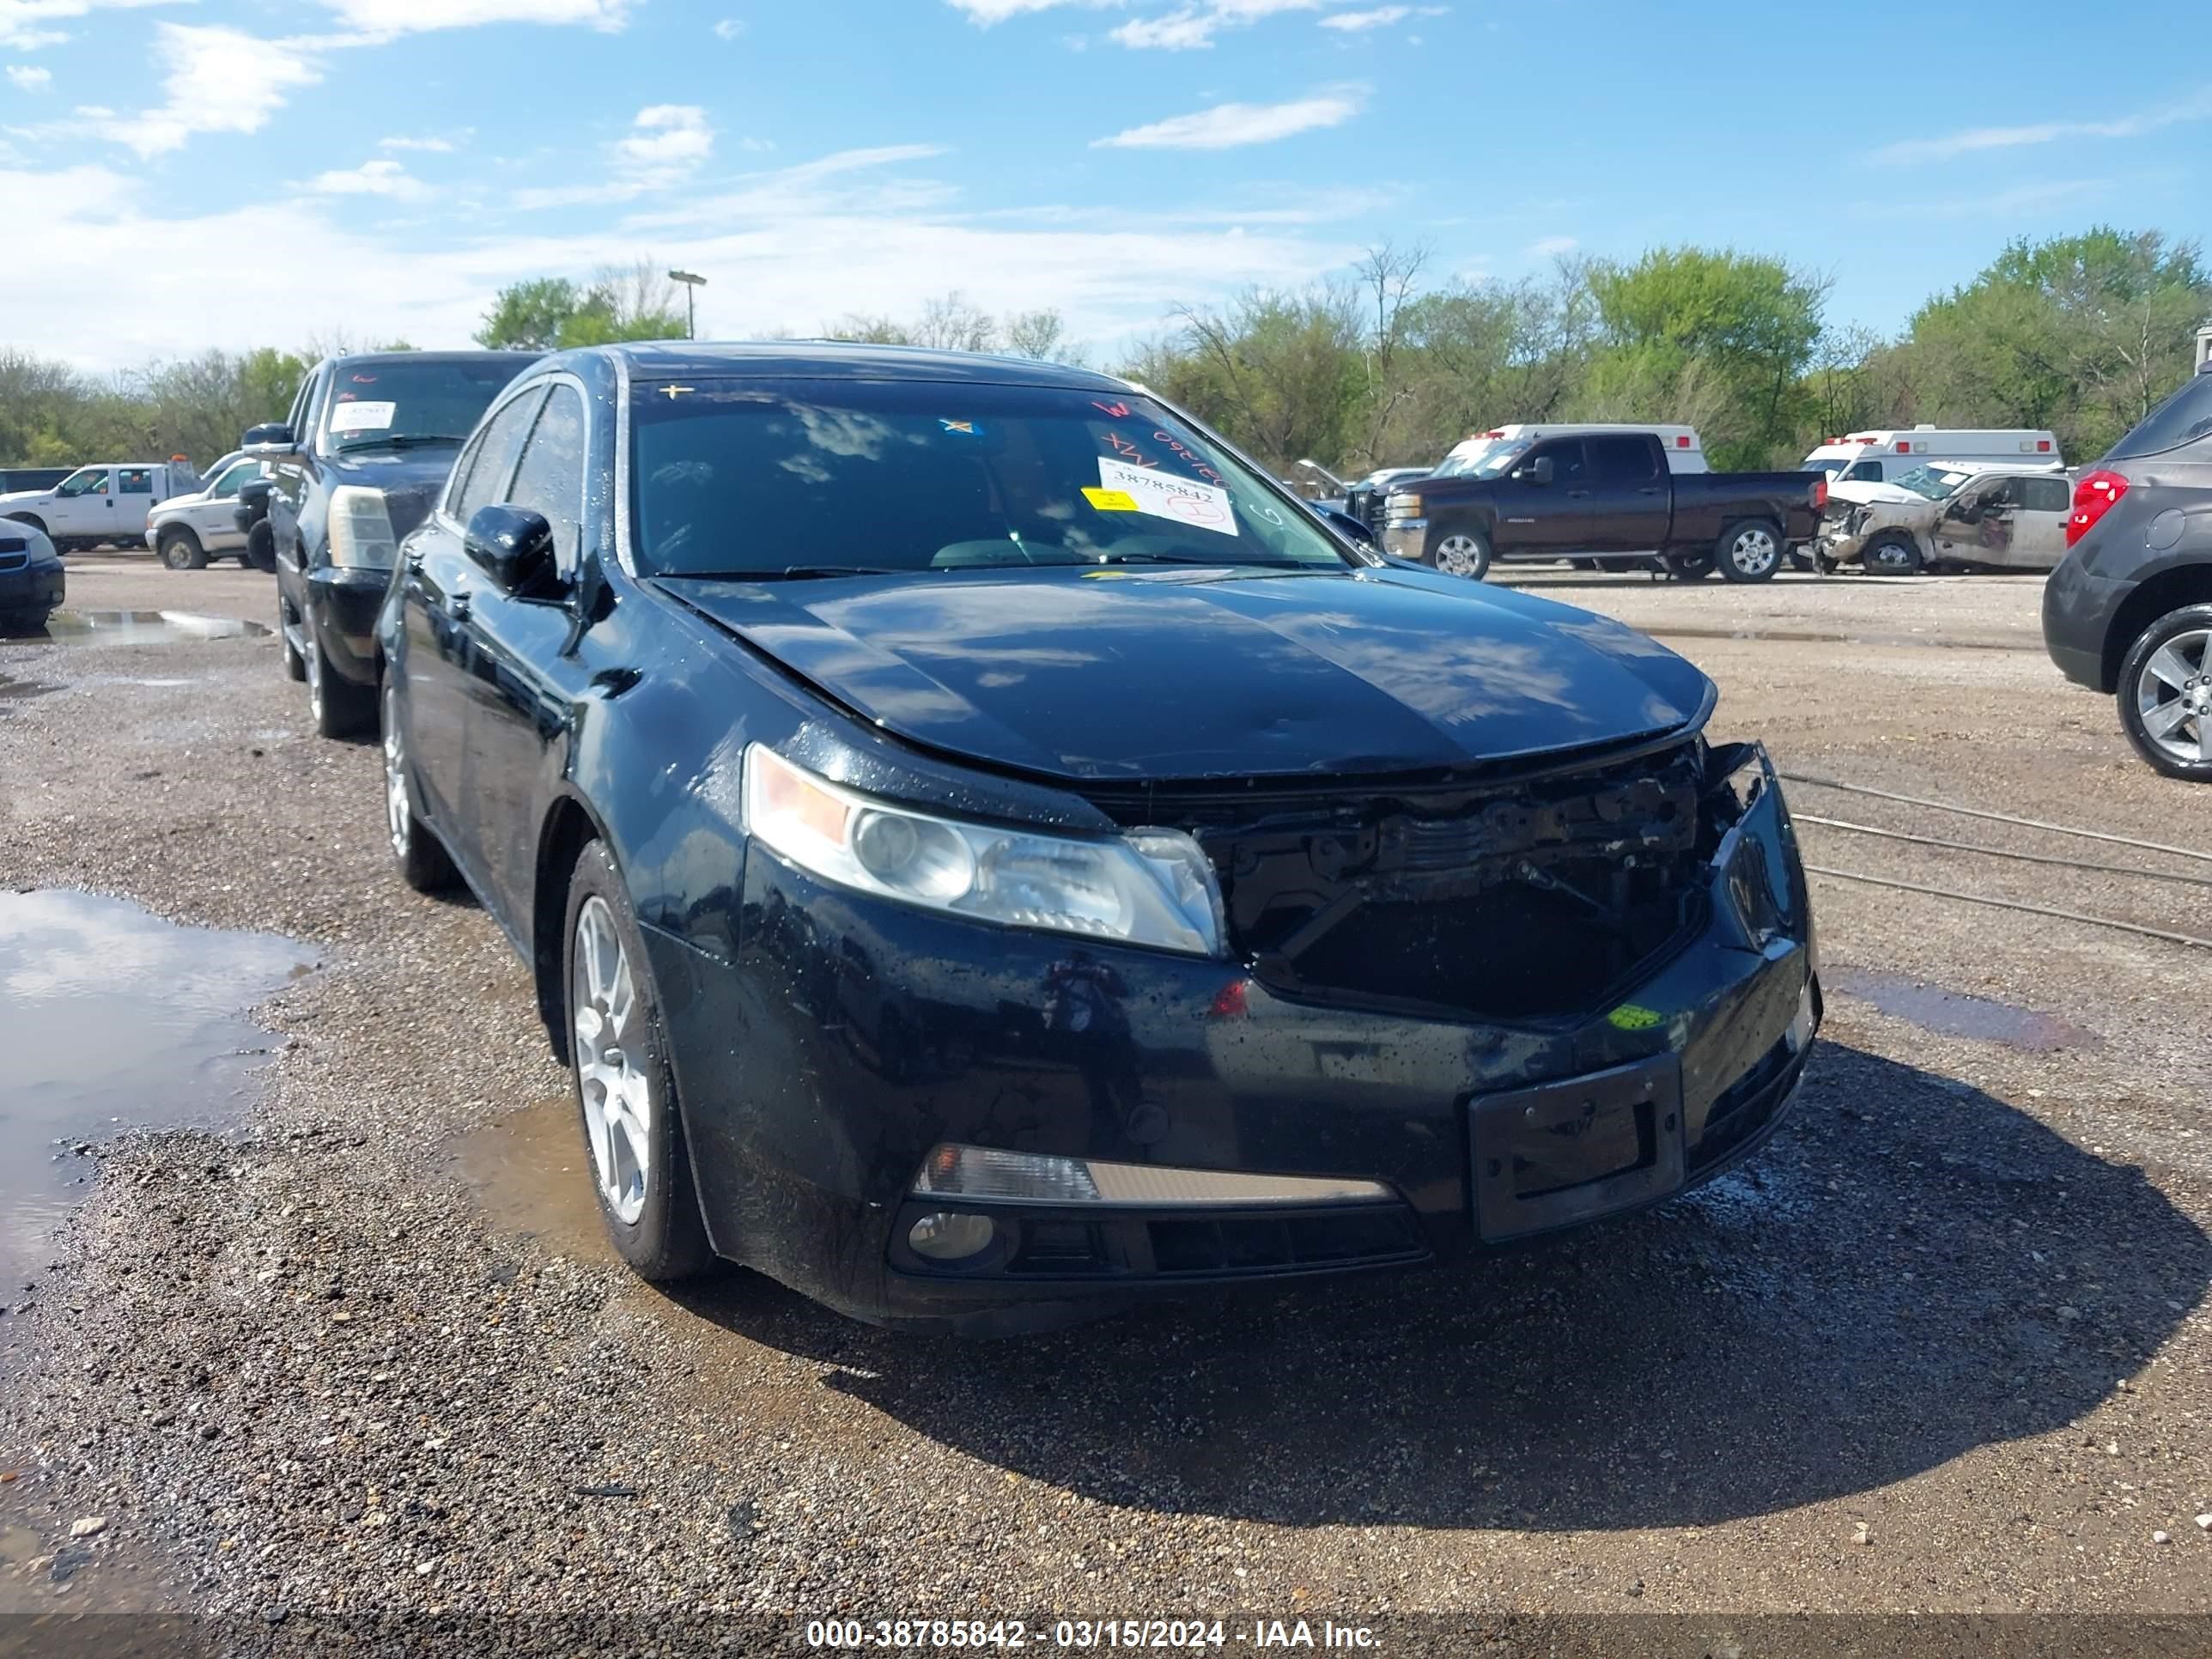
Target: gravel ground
[[1942, 1346]]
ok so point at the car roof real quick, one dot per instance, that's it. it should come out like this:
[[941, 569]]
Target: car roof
[[842, 360], [351, 358]]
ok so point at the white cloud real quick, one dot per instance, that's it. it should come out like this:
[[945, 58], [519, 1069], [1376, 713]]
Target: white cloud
[[434, 146], [369, 178], [1193, 27], [29, 79], [729, 28], [1975, 140], [1550, 248], [819, 240], [757, 146], [1380, 18], [1225, 126], [666, 138], [218, 80], [984, 13], [384, 19], [20, 20]]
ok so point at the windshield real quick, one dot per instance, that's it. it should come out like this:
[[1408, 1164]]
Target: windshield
[[384, 403], [746, 477], [1492, 460], [2185, 416], [1932, 482]]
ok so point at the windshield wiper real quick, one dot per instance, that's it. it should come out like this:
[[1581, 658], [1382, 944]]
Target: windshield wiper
[[1233, 564], [792, 572], [401, 440]]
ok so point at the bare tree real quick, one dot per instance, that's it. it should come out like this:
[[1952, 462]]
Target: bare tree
[[1042, 335]]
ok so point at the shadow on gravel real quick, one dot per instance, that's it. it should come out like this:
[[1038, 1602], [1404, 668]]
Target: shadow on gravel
[[1862, 1304]]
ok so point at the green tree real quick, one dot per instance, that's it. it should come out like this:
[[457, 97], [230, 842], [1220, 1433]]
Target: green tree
[[1744, 325], [529, 316]]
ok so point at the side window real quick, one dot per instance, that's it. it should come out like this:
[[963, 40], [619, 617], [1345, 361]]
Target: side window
[[134, 481], [1569, 465], [1623, 460], [550, 480], [2045, 496], [234, 480], [93, 481], [303, 406], [496, 447], [1865, 472]]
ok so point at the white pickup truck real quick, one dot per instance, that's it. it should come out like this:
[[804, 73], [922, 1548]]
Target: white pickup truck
[[109, 503]]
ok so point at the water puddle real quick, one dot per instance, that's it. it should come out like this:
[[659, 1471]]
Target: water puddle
[[531, 1174], [112, 1018], [16, 690], [1952, 1013], [67, 627], [1807, 636]]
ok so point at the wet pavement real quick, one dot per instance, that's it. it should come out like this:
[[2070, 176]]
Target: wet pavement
[[1954, 1013], [73, 627], [114, 1019]]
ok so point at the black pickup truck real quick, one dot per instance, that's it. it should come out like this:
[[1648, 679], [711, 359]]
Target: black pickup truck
[[1602, 493]]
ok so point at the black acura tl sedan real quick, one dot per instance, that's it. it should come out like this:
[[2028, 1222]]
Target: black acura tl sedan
[[989, 854]]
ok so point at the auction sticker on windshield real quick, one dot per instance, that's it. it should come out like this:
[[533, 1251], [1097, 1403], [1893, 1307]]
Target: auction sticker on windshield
[[1183, 499], [361, 417]]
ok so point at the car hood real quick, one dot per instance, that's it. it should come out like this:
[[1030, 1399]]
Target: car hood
[[409, 478], [1124, 674], [1859, 493], [23, 497]]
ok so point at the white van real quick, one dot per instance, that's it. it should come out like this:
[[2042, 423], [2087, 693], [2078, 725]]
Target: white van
[[1879, 457], [1686, 451]]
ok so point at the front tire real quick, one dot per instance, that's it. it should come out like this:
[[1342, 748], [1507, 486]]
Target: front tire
[[341, 708], [625, 1088], [1750, 551], [181, 550], [1893, 553], [1462, 553], [424, 864], [261, 547], [2165, 694]]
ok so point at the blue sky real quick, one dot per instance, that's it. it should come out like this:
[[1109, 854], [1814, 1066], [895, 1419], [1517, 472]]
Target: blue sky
[[180, 173]]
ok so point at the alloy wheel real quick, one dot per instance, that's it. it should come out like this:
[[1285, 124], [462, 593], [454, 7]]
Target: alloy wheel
[[1753, 551], [618, 1094], [399, 814], [2174, 697], [1460, 556]]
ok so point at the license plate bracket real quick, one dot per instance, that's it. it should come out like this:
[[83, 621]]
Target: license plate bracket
[[1561, 1152]]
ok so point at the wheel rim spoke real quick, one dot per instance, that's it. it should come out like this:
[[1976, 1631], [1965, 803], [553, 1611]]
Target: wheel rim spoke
[[2167, 664], [615, 1088]]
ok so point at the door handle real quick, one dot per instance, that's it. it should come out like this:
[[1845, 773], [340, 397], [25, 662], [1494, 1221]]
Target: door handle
[[457, 607], [1654, 490]]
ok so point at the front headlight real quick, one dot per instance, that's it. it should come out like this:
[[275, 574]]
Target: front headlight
[[1402, 504], [360, 530], [1149, 887]]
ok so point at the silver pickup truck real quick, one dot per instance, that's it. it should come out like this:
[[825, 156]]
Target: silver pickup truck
[[1976, 514]]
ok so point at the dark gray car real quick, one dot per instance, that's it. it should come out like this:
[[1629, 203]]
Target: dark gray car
[[2128, 610]]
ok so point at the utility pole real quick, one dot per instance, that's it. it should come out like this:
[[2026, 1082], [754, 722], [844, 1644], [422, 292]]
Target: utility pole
[[692, 284]]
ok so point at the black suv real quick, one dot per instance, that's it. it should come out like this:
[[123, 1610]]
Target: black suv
[[2129, 610], [365, 449]]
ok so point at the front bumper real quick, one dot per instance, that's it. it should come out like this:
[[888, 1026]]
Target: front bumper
[[2078, 609], [845, 1037], [344, 605], [32, 589], [1405, 539]]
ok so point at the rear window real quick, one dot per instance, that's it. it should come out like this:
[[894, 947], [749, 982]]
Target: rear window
[[2182, 418], [373, 403], [744, 477]]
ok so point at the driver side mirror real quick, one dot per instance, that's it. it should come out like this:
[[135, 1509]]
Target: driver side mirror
[[515, 547], [271, 438], [1347, 526], [1538, 471]]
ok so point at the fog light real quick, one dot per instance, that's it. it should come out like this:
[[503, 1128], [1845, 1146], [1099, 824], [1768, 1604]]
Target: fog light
[[1803, 1027], [988, 1175], [946, 1236]]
